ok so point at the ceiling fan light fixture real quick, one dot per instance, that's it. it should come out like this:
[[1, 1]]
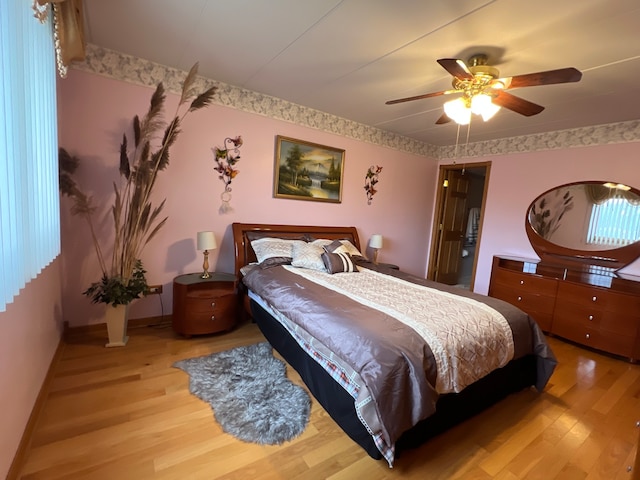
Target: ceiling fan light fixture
[[482, 105], [458, 111]]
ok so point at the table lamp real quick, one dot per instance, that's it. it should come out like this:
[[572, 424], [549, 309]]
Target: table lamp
[[375, 242], [206, 242]]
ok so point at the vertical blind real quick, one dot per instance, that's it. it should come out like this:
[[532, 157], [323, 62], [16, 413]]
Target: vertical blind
[[615, 223], [29, 199]]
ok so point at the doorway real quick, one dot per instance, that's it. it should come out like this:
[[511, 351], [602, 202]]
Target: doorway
[[457, 226]]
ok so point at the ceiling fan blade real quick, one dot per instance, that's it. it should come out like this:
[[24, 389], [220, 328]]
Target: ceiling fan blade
[[444, 118], [516, 104], [456, 67], [420, 97], [550, 77]]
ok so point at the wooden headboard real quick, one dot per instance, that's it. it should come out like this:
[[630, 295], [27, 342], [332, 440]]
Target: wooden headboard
[[245, 254]]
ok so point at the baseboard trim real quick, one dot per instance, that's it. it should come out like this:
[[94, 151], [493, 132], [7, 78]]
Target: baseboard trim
[[25, 441], [83, 330]]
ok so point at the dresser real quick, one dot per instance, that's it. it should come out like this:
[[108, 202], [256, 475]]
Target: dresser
[[587, 304], [204, 305]]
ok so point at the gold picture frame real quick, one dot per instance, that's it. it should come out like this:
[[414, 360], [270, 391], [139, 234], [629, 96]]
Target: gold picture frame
[[308, 171]]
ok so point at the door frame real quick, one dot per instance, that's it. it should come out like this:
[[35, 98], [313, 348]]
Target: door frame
[[439, 214]]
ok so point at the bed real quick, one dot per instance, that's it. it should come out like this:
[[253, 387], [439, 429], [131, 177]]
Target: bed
[[393, 358]]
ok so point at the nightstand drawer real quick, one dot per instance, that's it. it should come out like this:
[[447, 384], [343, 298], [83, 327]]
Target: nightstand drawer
[[203, 306]]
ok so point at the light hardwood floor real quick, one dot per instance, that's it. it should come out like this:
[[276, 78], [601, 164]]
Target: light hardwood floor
[[125, 413]]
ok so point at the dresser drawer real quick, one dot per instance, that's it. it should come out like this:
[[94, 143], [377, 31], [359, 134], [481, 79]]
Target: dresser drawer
[[538, 307], [526, 300], [523, 282], [606, 321], [598, 298], [592, 337]]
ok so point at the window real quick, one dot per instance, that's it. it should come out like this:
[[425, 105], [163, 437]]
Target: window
[[29, 199], [614, 222]]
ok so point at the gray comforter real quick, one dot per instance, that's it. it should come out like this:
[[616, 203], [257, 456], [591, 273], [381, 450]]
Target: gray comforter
[[391, 365]]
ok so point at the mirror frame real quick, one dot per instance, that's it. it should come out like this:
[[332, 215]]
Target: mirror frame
[[616, 258]]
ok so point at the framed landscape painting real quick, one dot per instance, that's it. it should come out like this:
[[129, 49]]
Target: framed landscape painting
[[307, 171]]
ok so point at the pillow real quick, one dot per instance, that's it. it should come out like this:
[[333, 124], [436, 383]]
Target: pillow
[[308, 255], [342, 246], [274, 262], [338, 262], [269, 247]]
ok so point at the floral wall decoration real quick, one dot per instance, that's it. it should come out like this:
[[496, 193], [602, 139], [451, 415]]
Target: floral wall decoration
[[226, 159], [370, 181]]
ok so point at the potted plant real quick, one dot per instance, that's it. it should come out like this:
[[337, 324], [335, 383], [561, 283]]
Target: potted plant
[[136, 219]]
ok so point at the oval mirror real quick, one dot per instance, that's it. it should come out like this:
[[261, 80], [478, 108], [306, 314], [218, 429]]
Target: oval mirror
[[594, 222]]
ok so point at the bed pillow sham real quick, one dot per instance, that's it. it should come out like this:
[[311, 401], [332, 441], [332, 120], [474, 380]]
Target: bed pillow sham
[[281, 249], [308, 255]]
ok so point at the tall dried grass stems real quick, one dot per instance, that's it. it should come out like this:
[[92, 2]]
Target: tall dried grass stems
[[136, 220]]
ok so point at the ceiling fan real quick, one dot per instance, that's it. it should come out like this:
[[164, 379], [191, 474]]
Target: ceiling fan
[[479, 84]]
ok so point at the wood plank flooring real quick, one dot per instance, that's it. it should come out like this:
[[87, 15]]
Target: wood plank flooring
[[126, 413]]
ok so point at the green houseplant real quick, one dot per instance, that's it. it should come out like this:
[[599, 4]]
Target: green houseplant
[[136, 220]]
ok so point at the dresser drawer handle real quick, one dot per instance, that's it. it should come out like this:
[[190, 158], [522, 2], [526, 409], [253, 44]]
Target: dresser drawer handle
[[519, 298], [590, 317], [587, 336], [213, 304], [521, 282], [638, 424], [213, 317], [594, 298]]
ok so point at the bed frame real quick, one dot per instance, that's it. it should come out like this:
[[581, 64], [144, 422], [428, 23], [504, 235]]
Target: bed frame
[[243, 231], [451, 408]]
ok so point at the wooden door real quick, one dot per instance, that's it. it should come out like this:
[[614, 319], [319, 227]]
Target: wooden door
[[452, 228]]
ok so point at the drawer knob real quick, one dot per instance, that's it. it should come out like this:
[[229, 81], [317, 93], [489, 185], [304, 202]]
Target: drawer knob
[[638, 424], [587, 336], [213, 317], [519, 298], [590, 317], [594, 298], [521, 282], [213, 304]]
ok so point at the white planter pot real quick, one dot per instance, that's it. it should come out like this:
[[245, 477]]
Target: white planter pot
[[117, 318]]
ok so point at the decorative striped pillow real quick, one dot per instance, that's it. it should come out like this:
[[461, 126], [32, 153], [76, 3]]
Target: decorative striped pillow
[[338, 262]]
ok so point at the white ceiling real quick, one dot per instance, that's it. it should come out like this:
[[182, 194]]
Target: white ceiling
[[347, 57]]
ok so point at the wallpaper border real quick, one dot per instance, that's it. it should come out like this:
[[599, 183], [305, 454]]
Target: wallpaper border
[[139, 71]]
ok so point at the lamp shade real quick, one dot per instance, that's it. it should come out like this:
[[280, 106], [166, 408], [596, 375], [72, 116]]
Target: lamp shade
[[206, 241], [458, 111], [482, 105], [375, 241]]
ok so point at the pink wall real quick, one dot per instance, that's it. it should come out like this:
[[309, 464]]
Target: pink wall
[[94, 113], [517, 179], [30, 331]]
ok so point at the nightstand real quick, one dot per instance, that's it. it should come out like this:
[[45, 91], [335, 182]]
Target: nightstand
[[204, 305]]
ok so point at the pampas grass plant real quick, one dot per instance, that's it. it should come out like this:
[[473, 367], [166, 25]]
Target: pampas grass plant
[[136, 219]]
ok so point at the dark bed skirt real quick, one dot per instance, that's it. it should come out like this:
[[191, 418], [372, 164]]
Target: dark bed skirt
[[451, 408]]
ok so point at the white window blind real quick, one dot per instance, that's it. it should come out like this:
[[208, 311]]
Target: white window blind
[[29, 199], [615, 222]]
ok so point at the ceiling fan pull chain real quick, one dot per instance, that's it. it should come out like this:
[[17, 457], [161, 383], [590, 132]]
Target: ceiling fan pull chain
[[455, 151], [466, 146]]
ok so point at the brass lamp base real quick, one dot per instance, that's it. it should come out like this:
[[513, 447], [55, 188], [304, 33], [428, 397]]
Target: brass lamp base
[[205, 265]]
